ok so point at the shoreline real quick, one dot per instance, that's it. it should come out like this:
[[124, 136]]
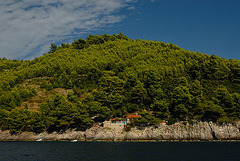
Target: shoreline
[[197, 132], [121, 141]]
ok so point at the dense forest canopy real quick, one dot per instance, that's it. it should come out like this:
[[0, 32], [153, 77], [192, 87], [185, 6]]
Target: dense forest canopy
[[111, 76]]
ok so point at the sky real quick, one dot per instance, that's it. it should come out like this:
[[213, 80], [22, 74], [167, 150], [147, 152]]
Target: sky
[[28, 27]]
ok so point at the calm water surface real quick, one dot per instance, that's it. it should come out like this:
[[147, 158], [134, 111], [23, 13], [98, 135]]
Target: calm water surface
[[120, 151]]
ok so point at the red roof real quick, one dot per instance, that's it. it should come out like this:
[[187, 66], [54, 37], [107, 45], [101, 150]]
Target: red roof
[[113, 119], [133, 116], [117, 119]]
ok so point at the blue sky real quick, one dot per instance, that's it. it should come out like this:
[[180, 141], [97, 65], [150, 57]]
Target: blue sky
[[28, 27]]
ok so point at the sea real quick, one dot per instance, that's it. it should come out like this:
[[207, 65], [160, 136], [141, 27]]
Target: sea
[[118, 151]]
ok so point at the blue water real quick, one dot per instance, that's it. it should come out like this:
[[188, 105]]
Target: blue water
[[120, 151]]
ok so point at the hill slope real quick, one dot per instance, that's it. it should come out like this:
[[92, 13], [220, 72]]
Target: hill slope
[[107, 76]]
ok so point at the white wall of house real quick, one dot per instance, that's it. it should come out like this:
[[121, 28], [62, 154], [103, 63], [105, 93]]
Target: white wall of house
[[114, 126]]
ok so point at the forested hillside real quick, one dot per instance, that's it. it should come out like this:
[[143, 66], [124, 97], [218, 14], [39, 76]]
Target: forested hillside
[[102, 77]]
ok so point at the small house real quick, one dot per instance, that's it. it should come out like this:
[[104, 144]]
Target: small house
[[120, 123], [115, 123]]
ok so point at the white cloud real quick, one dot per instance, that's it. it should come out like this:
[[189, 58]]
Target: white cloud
[[29, 26], [131, 8]]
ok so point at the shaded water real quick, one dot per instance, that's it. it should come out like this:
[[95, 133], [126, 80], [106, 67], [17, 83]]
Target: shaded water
[[120, 151]]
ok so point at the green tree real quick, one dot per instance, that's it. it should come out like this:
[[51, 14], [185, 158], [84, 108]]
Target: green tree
[[79, 44], [53, 48], [18, 120], [4, 114], [180, 102], [161, 108], [197, 102], [138, 93], [213, 111], [147, 119]]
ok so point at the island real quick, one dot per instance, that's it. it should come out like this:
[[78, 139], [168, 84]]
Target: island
[[113, 88]]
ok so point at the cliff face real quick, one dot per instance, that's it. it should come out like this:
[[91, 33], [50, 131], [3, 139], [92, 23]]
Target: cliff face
[[197, 131]]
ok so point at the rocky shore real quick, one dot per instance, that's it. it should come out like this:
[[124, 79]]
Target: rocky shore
[[204, 131]]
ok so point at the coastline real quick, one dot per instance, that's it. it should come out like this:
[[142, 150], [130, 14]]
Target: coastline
[[199, 131]]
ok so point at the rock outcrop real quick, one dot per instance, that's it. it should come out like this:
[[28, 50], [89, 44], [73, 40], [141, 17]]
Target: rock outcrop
[[205, 131]]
